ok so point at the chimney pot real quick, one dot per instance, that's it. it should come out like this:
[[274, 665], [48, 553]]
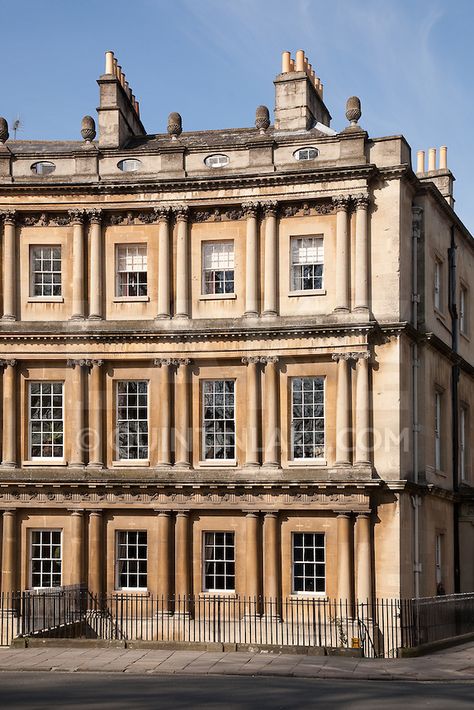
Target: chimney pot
[[300, 59], [443, 158], [420, 162], [109, 62], [285, 62], [431, 159]]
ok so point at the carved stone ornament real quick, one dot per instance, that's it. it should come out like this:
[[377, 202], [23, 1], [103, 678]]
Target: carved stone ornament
[[302, 209], [8, 216], [95, 216], [269, 359], [181, 213], [175, 125], [3, 130], [251, 360], [7, 363], [361, 200], [270, 208], [250, 209], [218, 214], [341, 202], [88, 131], [353, 110], [262, 118], [76, 216]]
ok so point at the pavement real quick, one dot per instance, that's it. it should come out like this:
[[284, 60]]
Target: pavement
[[453, 665]]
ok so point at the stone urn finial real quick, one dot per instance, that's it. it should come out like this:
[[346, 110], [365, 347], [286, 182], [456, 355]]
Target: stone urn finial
[[175, 125], [3, 130], [353, 110], [262, 118], [88, 131]]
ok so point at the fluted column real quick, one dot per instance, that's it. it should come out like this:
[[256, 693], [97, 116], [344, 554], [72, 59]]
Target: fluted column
[[361, 291], [343, 414], [164, 562], [9, 266], [252, 567], [9, 547], [251, 260], [271, 552], [9, 444], [78, 265], [252, 457], [362, 412], [271, 416], [182, 587], [181, 415], [76, 420], [344, 558], [96, 552], [76, 547], [270, 278], [164, 261], [96, 410], [364, 557], [164, 437], [342, 253], [95, 297], [182, 264]]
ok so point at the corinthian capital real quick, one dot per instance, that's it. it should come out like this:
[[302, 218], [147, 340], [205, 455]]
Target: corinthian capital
[[250, 209], [8, 216], [341, 202], [95, 216], [181, 213], [361, 200], [76, 216], [270, 208]]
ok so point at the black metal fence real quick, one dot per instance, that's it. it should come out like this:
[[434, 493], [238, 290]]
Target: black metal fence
[[380, 628]]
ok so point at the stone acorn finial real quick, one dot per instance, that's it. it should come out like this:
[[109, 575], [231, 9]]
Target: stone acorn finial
[[3, 130], [175, 125], [353, 110], [262, 118], [88, 129]]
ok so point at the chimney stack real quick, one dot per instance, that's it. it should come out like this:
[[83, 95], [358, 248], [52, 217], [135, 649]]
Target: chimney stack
[[299, 101], [440, 176]]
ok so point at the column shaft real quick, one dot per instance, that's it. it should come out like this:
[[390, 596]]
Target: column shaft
[[343, 419], [164, 451], [251, 262], [9, 268], [164, 295], [95, 301], [271, 413], [76, 547], [96, 555], [342, 255], [344, 558], [182, 448], [364, 558], [252, 572], [182, 555], [9, 580], [9, 448], [361, 295], [252, 428], [182, 266], [271, 551], [96, 454], [270, 307], [164, 562], [78, 302], [362, 427], [77, 410]]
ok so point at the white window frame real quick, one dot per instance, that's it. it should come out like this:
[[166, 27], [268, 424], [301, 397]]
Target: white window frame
[[296, 269], [207, 246], [31, 420], [463, 310], [438, 429], [125, 251], [128, 421], [303, 154], [438, 284], [216, 160], [463, 430], [129, 165], [34, 249], [294, 562], [128, 559], [45, 559], [303, 459], [225, 460], [205, 561]]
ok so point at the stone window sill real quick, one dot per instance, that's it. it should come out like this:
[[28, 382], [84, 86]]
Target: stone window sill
[[131, 299], [307, 463], [219, 463], [300, 294], [439, 472], [294, 596], [440, 314], [217, 296], [131, 463], [139, 591], [45, 299], [45, 462], [465, 336], [227, 593]]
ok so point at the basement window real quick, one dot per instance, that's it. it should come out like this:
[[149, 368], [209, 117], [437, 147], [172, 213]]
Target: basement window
[[218, 160], [306, 153], [129, 165], [43, 167]]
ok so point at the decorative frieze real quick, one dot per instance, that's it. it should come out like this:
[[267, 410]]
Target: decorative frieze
[[219, 214], [303, 209]]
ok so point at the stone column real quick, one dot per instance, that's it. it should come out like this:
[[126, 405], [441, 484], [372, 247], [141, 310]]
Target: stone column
[[78, 265], [362, 413], [76, 421], [344, 558], [9, 545], [164, 439], [9, 443], [164, 264], [95, 299], [252, 567], [76, 547], [361, 291], [251, 260], [271, 415], [182, 264], [96, 552], [271, 568], [343, 414], [342, 253], [9, 266], [252, 426], [182, 587], [364, 557], [96, 408], [181, 414], [270, 279], [164, 561]]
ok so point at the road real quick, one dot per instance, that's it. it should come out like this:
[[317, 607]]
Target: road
[[42, 691]]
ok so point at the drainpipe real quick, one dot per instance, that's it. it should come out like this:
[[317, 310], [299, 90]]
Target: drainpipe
[[417, 220]]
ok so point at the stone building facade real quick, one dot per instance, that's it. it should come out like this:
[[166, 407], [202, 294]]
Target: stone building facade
[[234, 361]]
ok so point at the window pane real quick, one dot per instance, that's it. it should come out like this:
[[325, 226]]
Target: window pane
[[131, 269], [45, 265], [217, 267], [132, 420], [45, 558], [307, 421], [218, 417], [46, 419], [309, 568], [219, 561], [132, 553]]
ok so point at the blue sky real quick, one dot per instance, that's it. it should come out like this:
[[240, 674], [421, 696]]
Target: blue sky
[[410, 61]]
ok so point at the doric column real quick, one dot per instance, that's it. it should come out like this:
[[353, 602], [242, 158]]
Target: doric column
[[164, 263], [78, 265], [76, 411], [76, 547], [343, 415], [342, 253], [251, 260], [181, 563], [362, 412], [181, 413], [182, 263], [164, 436], [9, 265], [361, 290], [95, 298], [271, 416], [9, 447], [9, 547], [270, 279], [344, 558], [164, 562], [96, 449], [271, 567], [252, 567], [95, 552], [252, 425], [363, 553]]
